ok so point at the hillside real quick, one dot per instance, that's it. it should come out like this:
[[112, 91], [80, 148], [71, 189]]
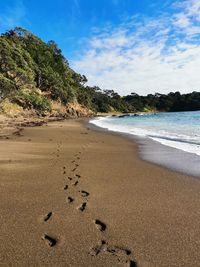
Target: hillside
[[34, 75], [35, 78]]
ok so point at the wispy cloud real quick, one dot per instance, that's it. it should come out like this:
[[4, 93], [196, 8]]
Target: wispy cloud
[[188, 18], [13, 15], [147, 55]]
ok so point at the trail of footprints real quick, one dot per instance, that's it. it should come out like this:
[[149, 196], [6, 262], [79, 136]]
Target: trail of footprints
[[74, 183], [122, 254]]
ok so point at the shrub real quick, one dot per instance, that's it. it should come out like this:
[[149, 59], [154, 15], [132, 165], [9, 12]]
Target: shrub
[[6, 87], [33, 100]]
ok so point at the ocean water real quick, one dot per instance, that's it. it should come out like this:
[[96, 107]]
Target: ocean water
[[180, 130]]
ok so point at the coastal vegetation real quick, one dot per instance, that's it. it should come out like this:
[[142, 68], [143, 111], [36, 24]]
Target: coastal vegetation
[[34, 75], [172, 102]]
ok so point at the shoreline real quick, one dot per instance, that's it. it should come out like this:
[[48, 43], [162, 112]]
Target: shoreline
[[161, 155], [142, 213]]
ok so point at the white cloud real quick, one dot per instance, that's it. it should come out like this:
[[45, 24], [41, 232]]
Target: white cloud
[[181, 20], [146, 55], [12, 16], [188, 17]]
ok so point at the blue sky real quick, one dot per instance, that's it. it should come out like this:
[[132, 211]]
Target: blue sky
[[142, 46], [69, 22]]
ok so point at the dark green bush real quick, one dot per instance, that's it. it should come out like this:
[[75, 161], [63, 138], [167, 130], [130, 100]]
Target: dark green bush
[[33, 100], [7, 87]]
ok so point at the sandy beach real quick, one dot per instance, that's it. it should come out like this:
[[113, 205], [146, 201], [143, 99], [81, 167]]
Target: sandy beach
[[73, 196]]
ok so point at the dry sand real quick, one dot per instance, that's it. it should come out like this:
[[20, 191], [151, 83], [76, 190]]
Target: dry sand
[[133, 212]]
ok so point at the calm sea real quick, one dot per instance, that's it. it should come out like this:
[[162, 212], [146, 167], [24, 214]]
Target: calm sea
[[178, 130]]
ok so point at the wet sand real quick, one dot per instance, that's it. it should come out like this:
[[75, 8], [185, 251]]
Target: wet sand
[[72, 196]]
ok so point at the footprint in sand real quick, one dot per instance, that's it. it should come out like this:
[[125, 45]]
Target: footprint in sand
[[120, 252], [70, 199], [94, 251], [51, 241], [47, 216], [84, 193], [131, 263], [82, 207], [66, 187], [76, 183], [100, 225]]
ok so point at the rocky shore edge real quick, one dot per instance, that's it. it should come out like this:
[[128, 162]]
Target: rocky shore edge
[[13, 123]]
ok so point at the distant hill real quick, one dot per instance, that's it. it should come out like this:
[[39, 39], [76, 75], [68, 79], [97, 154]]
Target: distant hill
[[33, 74], [36, 77]]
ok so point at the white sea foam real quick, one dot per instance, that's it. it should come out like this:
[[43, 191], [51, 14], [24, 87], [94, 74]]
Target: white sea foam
[[160, 129]]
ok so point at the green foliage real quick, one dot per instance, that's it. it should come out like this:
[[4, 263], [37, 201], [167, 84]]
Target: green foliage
[[33, 100], [6, 87], [170, 102], [28, 64]]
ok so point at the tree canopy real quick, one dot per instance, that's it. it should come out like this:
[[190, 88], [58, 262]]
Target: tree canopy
[[32, 73]]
